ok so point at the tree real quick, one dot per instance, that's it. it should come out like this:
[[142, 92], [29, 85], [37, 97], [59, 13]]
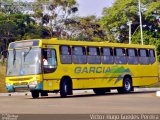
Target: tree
[[84, 29], [115, 18], [52, 15], [114, 21], [15, 25]]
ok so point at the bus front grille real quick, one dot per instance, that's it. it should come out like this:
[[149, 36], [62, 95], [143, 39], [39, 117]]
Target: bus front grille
[[20, 79]]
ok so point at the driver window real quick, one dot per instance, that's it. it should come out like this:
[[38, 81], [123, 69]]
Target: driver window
[[49, 60]]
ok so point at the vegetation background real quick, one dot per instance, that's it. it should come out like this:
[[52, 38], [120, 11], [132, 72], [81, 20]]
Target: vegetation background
[[58, 18]]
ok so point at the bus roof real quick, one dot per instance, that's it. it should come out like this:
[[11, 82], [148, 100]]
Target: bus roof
[[54, 41]]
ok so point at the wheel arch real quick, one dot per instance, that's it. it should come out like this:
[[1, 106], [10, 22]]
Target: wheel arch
[[128, 76], [67, 78]]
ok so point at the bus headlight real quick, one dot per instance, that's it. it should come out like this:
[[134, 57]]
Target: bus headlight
[[8, 84], [32, 84]]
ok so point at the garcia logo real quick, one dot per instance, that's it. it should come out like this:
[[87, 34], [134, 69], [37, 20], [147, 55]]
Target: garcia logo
[[92, 69]]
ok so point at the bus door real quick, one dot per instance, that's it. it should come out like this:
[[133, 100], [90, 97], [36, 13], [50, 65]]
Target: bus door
[[49, 66]]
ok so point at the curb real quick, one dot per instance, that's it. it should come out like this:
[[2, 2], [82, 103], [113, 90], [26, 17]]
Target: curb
[[146, 89], [15, 94], [157, 90]]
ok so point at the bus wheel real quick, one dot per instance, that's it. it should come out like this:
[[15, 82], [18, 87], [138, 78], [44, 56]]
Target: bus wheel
[[99, 91], [35, 94], [63, 88], [127, 86]]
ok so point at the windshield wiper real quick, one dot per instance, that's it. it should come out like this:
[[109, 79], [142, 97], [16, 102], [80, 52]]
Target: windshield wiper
[[26, 53], [14, 55]]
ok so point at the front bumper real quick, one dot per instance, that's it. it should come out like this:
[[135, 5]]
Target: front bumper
[[24, 83], [13, 88]]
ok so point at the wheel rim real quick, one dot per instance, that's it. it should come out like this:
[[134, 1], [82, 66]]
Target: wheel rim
[[65, 88], [127, 86]]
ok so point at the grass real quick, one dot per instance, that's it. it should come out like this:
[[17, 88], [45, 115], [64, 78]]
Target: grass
[[2, 78]]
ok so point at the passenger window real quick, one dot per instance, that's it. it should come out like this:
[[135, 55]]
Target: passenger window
[[143, 56], [93, 55], [132, 56], [49, 60], [65, 55], [120, 56], [152, 58], [107, 56], [79, 55]]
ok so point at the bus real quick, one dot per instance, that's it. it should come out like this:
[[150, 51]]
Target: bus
[[45, 66]]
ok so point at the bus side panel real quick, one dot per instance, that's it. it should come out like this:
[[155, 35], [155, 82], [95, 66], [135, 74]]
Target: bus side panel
[[97, 76], [95, 83], [135, 81], [51, 85], [85, 76], [148, 74], [148, 81]]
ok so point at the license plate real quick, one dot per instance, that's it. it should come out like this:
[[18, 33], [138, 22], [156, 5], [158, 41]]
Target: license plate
[[22, 83]]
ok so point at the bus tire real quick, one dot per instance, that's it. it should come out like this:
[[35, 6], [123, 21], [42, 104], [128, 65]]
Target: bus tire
[[99, 91], [63, 88], [127, 86], [35, 94]]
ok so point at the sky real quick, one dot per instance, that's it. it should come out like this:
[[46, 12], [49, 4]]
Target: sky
[[89, 7], [93, 7]]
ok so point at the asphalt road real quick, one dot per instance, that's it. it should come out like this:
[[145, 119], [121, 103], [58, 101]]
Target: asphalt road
[[84, 102]]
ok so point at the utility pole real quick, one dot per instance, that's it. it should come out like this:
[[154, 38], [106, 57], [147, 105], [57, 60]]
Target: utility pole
[[140, 19], [129, 23]]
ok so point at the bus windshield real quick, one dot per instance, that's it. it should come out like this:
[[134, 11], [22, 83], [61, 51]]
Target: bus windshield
[[24, 62]]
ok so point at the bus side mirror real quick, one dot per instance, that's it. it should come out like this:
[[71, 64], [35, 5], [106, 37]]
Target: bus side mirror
[[4, 54]]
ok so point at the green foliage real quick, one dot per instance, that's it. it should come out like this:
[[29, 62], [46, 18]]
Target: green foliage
[[85, 29], [17, 24], [115, 18], [58, 12], [114, 21], [17, 27], [61, 21]]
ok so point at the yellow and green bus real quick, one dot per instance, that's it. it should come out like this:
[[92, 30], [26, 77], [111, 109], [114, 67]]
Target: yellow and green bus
[[50, 65]]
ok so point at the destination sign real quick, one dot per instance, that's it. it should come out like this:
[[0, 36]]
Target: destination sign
[[24, 44]]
